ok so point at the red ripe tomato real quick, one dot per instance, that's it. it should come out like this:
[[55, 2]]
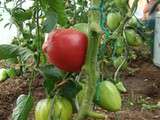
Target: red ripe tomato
[[66, 49]]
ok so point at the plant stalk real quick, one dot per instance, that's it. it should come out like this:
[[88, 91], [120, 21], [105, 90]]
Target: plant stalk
[[90, 66]]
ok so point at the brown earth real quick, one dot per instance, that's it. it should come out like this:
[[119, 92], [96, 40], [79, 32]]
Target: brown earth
[[143, 87]]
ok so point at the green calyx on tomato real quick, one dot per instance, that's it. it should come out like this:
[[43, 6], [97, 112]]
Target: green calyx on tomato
[[82, 27], [113, 20], [108, 97], [117, 61], [3, 74], [133, 38], [62, 109], [66, 49]]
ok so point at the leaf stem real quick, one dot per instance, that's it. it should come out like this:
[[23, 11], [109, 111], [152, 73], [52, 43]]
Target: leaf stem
[[33, 77], [38, 45]]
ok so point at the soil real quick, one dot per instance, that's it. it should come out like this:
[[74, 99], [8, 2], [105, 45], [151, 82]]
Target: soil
[[143, 89]]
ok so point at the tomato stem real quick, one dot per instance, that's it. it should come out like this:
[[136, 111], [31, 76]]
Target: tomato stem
[[90, 67], [122, 28], [97, 115]]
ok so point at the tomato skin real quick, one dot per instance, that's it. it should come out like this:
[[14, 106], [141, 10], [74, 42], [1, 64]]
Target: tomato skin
[[108, 97], [62, 109], [113, 20], [66, 49]]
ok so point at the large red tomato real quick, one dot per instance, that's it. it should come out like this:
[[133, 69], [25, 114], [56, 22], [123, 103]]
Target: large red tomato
[[66, 49]]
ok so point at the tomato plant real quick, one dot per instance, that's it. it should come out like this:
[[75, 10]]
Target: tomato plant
[[74, 57]]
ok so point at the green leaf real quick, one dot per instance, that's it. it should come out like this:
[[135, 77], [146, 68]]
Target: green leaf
[[51, 75], [21, 15], [59, 7], [13, 51], [49, 85], [50, 22], [24, 105], [44, 4], [70, 89], [50, 72]]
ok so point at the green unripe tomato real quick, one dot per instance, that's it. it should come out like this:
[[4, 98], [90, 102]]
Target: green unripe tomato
[[62, 109], [113, 20], [108, 97], [118, 61], [133, 22], [11, 72], [121, 3], [133, 38], [82, 27], [138, 40], [130, 36], [119, 47], [42, 109], [3, 74]]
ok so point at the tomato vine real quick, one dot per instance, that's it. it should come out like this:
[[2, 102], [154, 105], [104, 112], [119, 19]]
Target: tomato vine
[[78, 31]]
